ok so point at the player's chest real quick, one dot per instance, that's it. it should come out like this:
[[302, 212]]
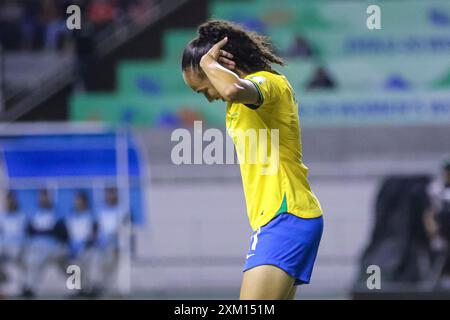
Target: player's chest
[[240, 117]]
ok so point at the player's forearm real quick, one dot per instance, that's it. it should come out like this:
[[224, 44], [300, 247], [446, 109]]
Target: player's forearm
[[229, 85], [226, 82]]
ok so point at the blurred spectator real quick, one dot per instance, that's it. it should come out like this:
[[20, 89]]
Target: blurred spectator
[[81, 231], [32, 27], [12, 240], [299, 48], [102, 12], [47, 235], [11, 12], [398, 243], [437, 220], [444, 212], [110, 218], [53, 15], [42, 24], [321, 79], [84, 55], [137, 11]]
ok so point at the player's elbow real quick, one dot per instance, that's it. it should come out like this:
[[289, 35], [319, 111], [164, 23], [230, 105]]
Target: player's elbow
[[232, 93]]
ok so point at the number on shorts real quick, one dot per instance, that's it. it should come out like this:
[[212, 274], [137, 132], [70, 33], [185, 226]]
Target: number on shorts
[[255, 240]]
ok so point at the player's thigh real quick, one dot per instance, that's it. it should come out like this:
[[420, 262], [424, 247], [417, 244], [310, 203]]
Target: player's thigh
[[291, 294], [266, 282]]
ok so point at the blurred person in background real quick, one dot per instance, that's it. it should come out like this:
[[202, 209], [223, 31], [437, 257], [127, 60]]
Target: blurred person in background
[[299, 48], [11, 13], [110, 219], [81, 233], [102, 12], [321, 79], [31, 26], [12, 241], [47, 235], [84, 47], [437, 218], [53, 14], [138, 11]]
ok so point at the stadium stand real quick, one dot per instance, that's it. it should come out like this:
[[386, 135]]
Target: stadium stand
[[343, 54]]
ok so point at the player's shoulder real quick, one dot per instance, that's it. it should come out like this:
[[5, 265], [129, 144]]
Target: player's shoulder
[[263, 76]]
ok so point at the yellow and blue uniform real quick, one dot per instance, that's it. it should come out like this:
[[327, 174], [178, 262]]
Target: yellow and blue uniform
[[280, 184], [285, 215]]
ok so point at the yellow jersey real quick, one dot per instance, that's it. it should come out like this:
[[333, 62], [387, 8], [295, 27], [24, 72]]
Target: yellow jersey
[[267, 141]]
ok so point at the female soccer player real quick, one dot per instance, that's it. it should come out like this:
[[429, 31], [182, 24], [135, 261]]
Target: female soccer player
[[230, 63]]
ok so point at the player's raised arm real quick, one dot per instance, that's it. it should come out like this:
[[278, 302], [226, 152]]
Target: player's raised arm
[[229, 85]]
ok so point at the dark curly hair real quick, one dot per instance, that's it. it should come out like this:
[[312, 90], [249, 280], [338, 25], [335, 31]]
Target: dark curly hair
[[252, 52]]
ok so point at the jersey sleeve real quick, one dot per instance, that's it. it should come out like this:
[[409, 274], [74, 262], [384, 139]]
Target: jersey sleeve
[[267, 87]]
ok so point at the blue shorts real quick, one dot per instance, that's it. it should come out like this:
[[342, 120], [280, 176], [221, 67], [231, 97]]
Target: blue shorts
[[288, 242]]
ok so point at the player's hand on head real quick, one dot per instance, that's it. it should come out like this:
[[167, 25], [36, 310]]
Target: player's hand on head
[[223, 57], [226, 59]]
